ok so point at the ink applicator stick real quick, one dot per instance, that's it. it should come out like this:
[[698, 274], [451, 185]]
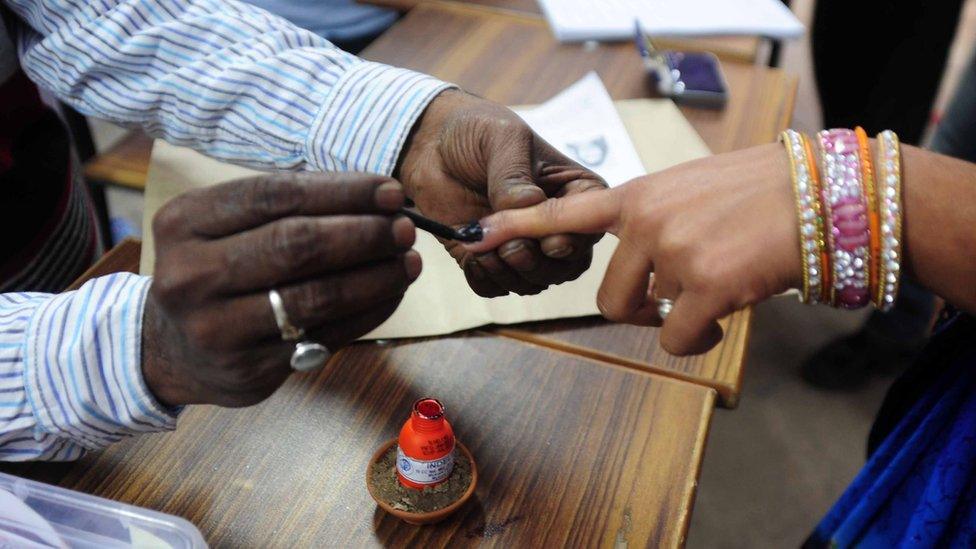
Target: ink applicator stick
[[472, 232]]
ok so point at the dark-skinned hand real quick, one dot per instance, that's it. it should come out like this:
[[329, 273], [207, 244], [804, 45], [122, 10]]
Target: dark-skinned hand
[[331, 244], [468, 157]]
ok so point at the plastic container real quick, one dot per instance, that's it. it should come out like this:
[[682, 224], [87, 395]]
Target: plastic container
[[33, 514]]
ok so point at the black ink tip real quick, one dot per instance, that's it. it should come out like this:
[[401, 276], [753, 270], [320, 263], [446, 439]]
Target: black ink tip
[[472, 232]]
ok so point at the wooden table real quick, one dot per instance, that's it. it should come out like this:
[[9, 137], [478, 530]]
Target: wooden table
[[512, 59], [744, 49], [569, 451]]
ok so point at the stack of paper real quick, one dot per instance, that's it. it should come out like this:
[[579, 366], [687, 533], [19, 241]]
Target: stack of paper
[[577, 20]]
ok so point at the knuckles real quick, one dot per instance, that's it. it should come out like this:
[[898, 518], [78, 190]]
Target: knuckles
[[169, 221], [317, 301], [702, 271], [552, 210], [295, 243], [302, 243], [271, 196]]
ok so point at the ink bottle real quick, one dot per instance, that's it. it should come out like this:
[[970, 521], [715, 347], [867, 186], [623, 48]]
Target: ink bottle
[[425, 448]]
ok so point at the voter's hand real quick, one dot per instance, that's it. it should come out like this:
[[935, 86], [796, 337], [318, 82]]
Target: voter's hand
[[331, 244], [714, 235], [468, 157]]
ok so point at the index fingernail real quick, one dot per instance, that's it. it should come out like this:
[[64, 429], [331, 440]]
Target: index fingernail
[[389, 196]]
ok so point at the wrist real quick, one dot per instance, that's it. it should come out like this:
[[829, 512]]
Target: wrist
[[928, 238], [157, 364], [425, 134]]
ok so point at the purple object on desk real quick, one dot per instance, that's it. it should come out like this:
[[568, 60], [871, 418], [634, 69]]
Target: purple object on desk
[[697, 79], [687, 77], [698, 71]]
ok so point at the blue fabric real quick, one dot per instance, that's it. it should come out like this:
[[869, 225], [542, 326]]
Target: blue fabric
[[332, 19], [917, 488]]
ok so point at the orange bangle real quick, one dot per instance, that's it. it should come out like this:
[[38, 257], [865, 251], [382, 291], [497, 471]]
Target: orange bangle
[[825, 266], [871, 196]]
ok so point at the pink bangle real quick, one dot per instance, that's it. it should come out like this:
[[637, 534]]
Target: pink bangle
[[848, 227]]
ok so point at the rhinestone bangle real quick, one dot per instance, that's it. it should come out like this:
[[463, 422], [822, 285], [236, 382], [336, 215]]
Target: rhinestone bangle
[[889, 206], [848, 225], [805, 192]]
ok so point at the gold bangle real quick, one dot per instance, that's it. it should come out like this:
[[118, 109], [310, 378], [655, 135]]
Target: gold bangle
[[804, 190]]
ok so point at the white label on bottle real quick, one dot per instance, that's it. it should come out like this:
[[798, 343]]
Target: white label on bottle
[[424, 472]]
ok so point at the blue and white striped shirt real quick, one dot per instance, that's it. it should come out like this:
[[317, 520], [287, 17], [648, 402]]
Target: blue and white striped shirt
[[223, 77]]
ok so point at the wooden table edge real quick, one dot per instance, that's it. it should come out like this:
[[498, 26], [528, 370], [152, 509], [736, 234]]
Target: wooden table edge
[[124, 178], [496, 10], [728, 396], [701, 442]]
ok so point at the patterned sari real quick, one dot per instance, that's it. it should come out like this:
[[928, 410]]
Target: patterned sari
[[918, 488]]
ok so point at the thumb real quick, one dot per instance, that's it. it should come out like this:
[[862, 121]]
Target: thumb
[[591, 212], [510, 177]]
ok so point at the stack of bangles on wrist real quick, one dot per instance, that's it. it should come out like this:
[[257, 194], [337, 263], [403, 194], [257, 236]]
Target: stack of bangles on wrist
[[849, 209]]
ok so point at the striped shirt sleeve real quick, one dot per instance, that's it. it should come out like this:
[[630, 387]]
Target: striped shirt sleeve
[[70, 370], [225, 78]]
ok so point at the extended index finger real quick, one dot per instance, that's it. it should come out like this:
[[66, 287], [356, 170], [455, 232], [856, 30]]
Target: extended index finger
[[589, 213], [243, 204]]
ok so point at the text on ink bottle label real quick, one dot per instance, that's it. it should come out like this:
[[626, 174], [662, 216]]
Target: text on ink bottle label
[[422, 471]]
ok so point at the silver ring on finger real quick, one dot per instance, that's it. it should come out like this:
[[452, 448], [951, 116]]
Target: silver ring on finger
[[664, 306], [309, 355], [289, 332]]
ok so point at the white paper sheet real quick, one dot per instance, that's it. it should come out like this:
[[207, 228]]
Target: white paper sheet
[[440, 301], [577, 20], [582, 123]]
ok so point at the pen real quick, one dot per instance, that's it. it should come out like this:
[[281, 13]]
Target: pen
[[654, 60], [472, 232]]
